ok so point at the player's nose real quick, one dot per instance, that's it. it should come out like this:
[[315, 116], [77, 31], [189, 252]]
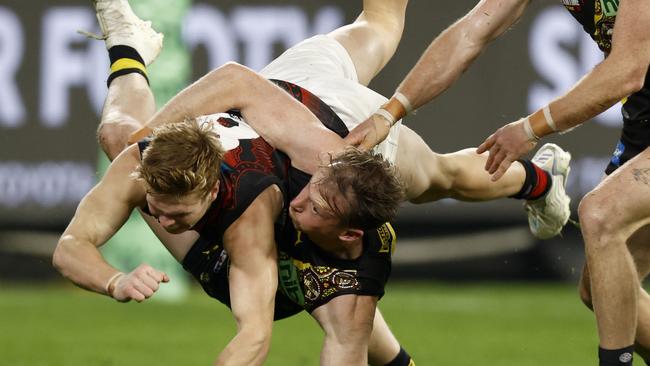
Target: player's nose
[[165, 221]]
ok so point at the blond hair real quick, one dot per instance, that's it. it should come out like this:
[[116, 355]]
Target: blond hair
[[182, 158]]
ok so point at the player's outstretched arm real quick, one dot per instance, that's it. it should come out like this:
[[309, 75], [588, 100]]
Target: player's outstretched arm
[[280, 119], [622, 73], [444, 61], [99, 215], [253, 280], [347, 321]]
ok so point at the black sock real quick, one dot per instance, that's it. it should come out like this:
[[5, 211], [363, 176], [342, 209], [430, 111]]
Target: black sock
[[616, 357], [537, 183], [402, 359], [125, 60]]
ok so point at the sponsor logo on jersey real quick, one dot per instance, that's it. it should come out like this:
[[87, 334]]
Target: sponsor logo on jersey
[[289, 280], [610, 7], [387, 238], [616, 156], [572, 5]]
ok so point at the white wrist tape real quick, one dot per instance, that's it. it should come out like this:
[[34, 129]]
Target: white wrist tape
[[405, 102], [549, 118], [386, 114], [114, 278], [529, 130]]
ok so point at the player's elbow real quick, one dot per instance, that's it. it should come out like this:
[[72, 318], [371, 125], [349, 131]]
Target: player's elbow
[[635, 78], [61, 256], [229, 72], [628, 73]]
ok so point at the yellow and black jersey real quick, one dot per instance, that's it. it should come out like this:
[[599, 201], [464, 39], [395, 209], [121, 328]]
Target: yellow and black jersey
[[311, 277], [308, 276], [597, 18]]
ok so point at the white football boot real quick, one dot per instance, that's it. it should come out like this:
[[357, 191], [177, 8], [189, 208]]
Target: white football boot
[[548, 215], [120, 26]]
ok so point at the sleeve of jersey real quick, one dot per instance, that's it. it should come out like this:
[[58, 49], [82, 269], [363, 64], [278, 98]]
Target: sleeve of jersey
[[249, 186], [376, 262]]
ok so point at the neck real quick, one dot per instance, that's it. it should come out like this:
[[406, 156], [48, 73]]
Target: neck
[[348, 250]]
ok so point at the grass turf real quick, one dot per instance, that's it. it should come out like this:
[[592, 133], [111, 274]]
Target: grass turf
[[439, 324]]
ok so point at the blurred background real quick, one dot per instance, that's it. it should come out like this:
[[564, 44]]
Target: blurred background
[[52, 86]]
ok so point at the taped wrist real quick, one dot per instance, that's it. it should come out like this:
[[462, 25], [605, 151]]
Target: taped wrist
[[112, 283]]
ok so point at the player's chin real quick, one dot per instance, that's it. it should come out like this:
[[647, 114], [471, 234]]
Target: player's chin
[[176, 230]]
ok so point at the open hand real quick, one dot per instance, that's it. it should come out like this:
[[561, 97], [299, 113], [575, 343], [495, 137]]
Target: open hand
[[505, 146], [369, 133]]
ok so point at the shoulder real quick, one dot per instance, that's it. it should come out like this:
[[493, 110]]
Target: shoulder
[[120, 180]]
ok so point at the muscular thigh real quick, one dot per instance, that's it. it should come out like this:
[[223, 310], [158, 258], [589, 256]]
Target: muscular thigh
[[419, 167]]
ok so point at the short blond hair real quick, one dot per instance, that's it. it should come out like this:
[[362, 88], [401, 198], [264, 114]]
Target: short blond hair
[[182, 158]]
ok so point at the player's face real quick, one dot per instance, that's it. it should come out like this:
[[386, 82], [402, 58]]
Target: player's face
[[311, 213], [178, 214]]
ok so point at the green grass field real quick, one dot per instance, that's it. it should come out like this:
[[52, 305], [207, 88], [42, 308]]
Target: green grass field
[[439, 324]]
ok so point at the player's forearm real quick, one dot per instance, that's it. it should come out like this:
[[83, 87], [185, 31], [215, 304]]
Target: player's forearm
[[213, 93], [454, 50], [592, 95], [82, 263], [617, 77]]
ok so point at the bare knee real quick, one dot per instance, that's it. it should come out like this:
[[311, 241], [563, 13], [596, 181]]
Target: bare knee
[[113, 135], [432, 179], [600, 220]]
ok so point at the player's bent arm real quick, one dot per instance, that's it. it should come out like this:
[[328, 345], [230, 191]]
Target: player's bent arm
[[99, 215], [452, 52], [622, 73], [281, 120], [253, 280], [347, 321]]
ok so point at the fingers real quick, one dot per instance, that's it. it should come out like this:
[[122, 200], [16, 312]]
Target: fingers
[[140, 284], [503, 167], [492, 152], [497, 159], [366, 145], [353, 138], [369, 133], [486, 145]]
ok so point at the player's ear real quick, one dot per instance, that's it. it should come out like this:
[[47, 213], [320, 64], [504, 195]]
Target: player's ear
[[349, 235], [214, 191]]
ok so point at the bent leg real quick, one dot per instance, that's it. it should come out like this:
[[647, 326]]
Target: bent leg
[[132, 45], [640, 251], [429, 176], [347, 321], [383, 346], [607, 227], [371, 40], [129, 104]]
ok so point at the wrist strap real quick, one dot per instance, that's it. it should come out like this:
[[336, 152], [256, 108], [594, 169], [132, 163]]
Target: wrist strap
[[529, 130], [395, 108], [387, 116], [549, 118], [405, 102], [112, 283]]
